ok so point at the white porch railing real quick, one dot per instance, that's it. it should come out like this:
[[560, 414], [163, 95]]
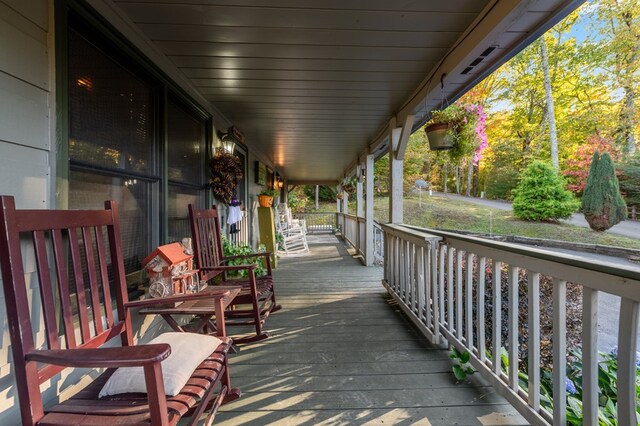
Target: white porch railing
[[318, 222], [378, 242], [241, 234], [431, 275], [353, 231]]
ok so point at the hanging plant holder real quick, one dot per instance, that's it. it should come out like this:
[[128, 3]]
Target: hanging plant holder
[[440, 136]]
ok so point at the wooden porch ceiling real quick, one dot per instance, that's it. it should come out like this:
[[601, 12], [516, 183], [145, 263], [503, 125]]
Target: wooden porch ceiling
[[313, 85]]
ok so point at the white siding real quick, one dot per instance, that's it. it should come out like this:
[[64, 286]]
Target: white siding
[[25, 146]]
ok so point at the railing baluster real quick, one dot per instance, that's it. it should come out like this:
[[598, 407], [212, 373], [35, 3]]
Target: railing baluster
[[469, 302], [497, 317], [459, 294], [627, 347], [590, 356], [421, 284], [534, 339], [450, 288], [441, 265], [434, 307], [559, 351], [482, 346], [513, 327]]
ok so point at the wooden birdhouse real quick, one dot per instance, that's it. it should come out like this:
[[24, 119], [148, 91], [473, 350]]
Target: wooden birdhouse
[[170, 271]]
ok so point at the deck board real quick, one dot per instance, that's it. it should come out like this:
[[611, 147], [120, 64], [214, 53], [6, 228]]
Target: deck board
[[341, 353]]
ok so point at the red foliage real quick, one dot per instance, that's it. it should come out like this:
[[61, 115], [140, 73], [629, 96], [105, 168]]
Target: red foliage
[[577, 166]]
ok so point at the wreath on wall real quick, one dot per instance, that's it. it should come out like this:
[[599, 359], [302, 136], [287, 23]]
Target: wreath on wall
[[226, 171]]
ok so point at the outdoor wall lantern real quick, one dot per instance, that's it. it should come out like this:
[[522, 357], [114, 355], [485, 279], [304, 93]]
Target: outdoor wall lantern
[[230, 138]]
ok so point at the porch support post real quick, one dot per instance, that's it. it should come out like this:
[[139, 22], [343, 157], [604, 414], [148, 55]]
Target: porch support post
[[345, 201], [359, 194], [369, 210], [338, 190], [395, 174], [285, 192]]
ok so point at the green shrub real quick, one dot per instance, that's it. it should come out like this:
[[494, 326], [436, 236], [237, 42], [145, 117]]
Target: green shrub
[[540, 195], [231, 249], [602, 203]]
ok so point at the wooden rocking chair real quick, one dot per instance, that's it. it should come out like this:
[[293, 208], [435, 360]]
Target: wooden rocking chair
[[257, 299], [76, 254]]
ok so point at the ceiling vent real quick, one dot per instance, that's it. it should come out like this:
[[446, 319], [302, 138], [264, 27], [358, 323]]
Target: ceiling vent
[[478, 60]]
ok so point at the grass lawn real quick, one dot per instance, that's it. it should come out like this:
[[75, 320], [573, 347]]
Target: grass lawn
[[442, 213]]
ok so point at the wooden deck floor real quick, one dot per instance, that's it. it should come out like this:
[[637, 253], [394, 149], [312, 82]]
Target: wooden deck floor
[[341, 353]]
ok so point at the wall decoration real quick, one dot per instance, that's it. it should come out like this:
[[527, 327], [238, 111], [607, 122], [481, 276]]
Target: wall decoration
[[261, 173], [226, 171]]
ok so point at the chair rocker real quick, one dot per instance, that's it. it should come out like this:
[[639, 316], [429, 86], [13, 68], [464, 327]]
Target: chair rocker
[[257, 299], [76, 255]]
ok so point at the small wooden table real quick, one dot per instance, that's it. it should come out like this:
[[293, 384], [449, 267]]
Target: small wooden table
[[208, 306]]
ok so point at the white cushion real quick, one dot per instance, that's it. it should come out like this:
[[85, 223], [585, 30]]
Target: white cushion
[[188, 350]]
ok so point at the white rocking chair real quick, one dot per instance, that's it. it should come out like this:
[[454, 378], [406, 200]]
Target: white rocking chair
[[294, 234]]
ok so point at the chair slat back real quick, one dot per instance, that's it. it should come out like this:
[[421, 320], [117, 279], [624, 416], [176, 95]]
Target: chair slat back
[[207, 240], [71, 273]]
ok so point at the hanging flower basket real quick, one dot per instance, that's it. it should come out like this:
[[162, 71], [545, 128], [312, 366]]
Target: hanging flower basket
[[265, 200], [440, 136]]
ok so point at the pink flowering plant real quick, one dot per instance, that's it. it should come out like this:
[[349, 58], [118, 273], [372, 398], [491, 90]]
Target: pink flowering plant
[[467, 124]]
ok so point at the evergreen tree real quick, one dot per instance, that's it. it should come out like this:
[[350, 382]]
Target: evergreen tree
[[602, 203], [540, 195]]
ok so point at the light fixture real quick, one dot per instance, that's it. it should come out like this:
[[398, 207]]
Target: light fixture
[[228, 143], [279, 183], [229, 139]]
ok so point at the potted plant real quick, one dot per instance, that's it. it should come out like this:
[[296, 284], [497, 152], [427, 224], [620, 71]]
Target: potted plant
[[349, 185], [442, 129], [265, 198]]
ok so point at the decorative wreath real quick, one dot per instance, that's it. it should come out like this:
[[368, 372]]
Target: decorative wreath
[[226, 171]]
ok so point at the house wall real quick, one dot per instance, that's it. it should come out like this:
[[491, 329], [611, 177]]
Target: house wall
[[25, 137], [27, 162]]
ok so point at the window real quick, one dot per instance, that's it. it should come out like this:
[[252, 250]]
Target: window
[[115, 110], [186, 147], [113, 144]]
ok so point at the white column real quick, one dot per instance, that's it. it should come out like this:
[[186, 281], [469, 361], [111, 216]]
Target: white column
[[345, 202], [359, 198], [369, 210], [338, 190], [396, 177]]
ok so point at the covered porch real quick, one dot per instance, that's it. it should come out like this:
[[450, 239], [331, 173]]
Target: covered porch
[[342, 352], [320, 91]]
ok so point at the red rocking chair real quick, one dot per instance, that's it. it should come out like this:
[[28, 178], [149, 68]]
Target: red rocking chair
[[257, 299], [78, 266]]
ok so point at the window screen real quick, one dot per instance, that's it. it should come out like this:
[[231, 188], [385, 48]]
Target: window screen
[[111, 111], [185, 134]]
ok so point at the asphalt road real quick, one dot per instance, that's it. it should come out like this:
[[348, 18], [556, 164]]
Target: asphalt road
[[608, 305]]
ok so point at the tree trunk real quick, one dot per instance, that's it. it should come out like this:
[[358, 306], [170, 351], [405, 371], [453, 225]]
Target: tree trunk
[[469, 176], [628, 120], [445, 172], [317, 197], [457, 172], [551, 114]]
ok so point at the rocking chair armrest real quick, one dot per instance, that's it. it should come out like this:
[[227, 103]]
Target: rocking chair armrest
[[126, 356], [211, 293], [242, 256], [229, 268]]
